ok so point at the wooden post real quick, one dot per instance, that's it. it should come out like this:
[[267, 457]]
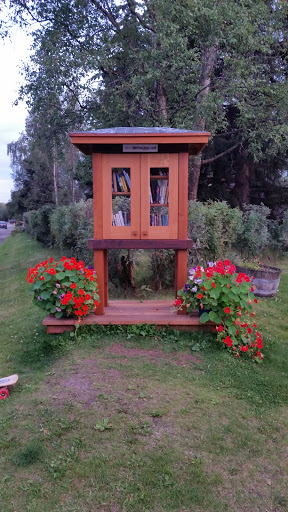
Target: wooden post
[[99, 264], [181, 255], [106, 277]]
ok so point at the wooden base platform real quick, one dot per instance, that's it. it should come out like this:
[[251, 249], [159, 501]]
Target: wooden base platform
[[127, 312]]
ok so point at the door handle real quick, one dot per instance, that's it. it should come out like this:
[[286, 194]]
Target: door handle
[[134, 233], [144, 233]]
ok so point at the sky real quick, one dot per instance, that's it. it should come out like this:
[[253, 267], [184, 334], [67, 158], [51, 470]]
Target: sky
[[12, 118]]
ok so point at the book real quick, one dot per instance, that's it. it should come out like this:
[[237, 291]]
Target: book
[[114, 180], [127, 179], [119, 182], [166, 195]]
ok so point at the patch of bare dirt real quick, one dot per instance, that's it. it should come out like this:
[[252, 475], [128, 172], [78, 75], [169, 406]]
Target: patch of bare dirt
[[84, 383], [154, 355]]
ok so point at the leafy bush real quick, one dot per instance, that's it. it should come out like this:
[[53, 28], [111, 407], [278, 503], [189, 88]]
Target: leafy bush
[[253, 237], [71, 227], [37, 224], [213, 227], [162, 264]]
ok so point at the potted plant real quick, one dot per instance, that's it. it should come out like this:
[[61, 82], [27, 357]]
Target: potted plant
[[266, 279], [228, 296], [64, 288]]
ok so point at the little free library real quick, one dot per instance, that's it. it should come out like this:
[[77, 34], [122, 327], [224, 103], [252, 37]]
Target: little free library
[[140, 201]]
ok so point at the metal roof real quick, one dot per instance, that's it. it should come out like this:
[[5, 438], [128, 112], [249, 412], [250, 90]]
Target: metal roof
[[137, 129]]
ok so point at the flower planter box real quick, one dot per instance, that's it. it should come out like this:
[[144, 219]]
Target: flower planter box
[[266, 280]]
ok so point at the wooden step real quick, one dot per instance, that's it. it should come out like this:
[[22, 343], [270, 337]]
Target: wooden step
[[131, 312]]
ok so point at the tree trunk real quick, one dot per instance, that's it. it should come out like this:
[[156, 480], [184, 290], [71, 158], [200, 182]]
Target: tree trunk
[[242, 178], [208, 63], [161, 101], [55, 175]]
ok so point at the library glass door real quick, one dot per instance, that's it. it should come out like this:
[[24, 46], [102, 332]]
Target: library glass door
[[140, 196]]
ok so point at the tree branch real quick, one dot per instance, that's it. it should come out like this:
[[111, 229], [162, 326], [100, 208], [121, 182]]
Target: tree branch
[[224, 134], [132, 7], [209, 160], [108, 13]]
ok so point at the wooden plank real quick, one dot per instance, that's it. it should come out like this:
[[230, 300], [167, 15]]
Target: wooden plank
[[99, 266], [132, 312], [180, 274], [105, 277], [139, 244], [97, 196], [183, 196], [134, 138]]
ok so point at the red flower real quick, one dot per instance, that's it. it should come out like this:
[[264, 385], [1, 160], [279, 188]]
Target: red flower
[[41, 278], [199, 296], [73, 285], [238, 279], [203, 288], [249, 330], [259, 344], [31, 280], [244, 349], [228, 341], [226, 262], [213, 284], [227, 310], [80, 291], [52, 271], [220, 328], [255, 300], [97, 303], [67, 266], [87, 296]]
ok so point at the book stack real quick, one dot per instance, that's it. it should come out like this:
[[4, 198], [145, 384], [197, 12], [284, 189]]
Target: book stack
[[121, 219], [159, 192], [159, 219], [121, 180]]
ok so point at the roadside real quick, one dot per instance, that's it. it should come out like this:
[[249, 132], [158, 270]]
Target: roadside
[[4, 233]]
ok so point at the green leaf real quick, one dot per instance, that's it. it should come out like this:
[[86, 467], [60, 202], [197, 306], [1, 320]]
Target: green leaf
[[58, 314], [214, 317], [45, 295], [60, 275], [204, 318], [232, 330]]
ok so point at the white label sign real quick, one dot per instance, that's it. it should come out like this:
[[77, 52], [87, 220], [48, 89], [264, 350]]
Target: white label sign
[[140, 148]]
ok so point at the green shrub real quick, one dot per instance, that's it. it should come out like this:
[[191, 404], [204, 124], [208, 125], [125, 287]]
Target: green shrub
[[37, 224], [214, 228], [162, 265], [71, 227], [253, 237]]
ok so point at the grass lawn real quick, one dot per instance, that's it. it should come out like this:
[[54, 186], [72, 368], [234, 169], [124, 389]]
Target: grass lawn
[[115, 420]]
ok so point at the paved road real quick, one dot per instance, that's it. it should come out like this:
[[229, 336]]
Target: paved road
[[5, 232]]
